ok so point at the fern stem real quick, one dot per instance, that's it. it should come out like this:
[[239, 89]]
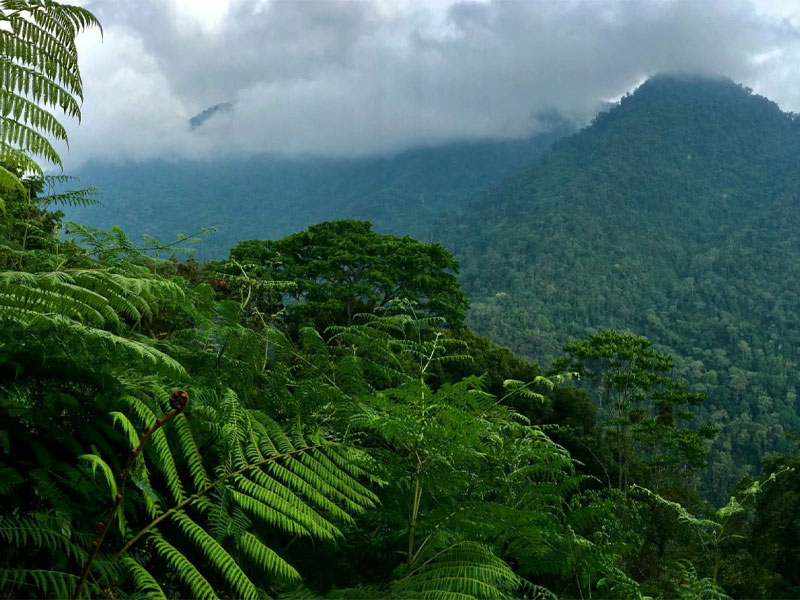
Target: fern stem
[[211, 486], [106, 525], [412, 524], [715, 542]]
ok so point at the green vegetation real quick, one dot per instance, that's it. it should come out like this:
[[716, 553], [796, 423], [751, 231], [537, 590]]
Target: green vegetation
[[270, 196], [337, 270], [640, 408], [672, 216], [311, 418]]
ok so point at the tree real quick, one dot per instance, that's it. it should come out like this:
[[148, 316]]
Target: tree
[[762, 555], [343, 268], [641, 404]]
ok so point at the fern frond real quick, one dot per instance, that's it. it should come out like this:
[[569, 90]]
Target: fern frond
[[190, 453], [253, 484], [466, 571], [217, 556], [47, 583], [81, 197], [265, 558], [146, 585], [8, 479], [39, 531], [291, 517], [81, 306], [692, 587], [183, 568], [127, 428], [158, 448], [96, 462]]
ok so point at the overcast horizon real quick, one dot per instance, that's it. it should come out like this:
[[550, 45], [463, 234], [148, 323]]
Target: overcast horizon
[[362, 77]]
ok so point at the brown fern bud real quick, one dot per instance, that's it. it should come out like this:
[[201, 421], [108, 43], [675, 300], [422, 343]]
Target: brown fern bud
[[109, 594], [179, 400], [119, 497]]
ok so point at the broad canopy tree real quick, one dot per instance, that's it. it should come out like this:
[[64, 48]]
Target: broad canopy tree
[[342, 268]]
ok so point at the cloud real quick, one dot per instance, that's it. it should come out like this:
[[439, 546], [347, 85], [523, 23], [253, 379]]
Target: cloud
[[355, 77]]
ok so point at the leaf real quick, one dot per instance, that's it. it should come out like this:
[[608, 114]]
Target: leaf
[[96, 462]]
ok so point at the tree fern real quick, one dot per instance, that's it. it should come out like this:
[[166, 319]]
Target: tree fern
[[281, 481], [462, 571], [38, 73]]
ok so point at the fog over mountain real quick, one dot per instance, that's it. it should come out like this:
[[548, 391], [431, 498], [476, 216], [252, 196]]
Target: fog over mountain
[[367, 77]]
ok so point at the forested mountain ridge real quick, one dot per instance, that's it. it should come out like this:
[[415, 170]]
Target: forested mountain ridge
[[673, 215], [269, 197]]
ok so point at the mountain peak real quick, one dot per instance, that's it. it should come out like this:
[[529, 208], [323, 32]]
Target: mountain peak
[[691, 93], [200, 118], [679, 115]]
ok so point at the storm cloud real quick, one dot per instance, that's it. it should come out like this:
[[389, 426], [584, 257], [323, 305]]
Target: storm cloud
[[359, 77]]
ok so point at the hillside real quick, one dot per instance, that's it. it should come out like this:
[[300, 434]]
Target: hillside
[[268, 197], [674, 215]]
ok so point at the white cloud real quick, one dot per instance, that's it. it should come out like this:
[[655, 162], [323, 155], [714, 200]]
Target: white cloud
[[349, 77]]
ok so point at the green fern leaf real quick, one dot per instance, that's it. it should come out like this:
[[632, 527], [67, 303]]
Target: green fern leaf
[[183, 568], [217, 556], [145, 583]]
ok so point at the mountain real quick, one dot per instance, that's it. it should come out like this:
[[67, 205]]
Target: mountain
[[268, 197], [673, 215], [200, 118]]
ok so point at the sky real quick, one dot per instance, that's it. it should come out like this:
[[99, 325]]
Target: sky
[[352, 78]]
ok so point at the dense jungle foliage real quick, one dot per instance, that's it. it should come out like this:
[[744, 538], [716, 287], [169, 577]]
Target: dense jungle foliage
[[311, 417]]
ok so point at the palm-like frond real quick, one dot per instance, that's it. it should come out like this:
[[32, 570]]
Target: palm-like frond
[[465, 571], [48, 583], [266, 479], [38, 72], [692, 587], [87, 307]]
